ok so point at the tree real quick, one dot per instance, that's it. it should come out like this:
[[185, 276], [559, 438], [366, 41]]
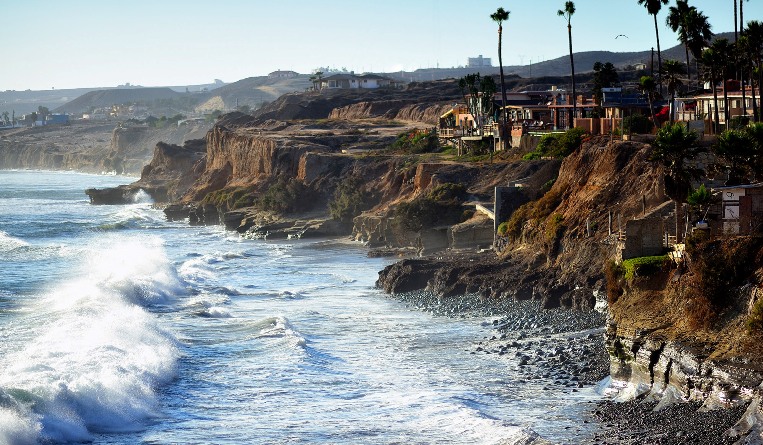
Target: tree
[[673, 145], [316, 79], [567, 13], [604, 76], [43, 112], [699, 33], [710, 62], [676, 20], [723, 51], [500, 16], [6, 120], [671, 69], [754, 53], [734, 152], [478, 94], [653, 8], [648, 88]]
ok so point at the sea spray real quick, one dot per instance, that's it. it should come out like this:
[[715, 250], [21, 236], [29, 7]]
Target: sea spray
[[95, 353]]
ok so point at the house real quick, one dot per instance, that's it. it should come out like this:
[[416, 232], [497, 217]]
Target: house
[[741, 208], [283, 74], [353, 81], [56, 119]]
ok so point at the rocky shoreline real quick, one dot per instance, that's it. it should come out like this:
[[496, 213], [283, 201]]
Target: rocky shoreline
[[564, 350]]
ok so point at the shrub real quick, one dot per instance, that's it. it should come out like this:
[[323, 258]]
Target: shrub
[[416, 142], [286, 195], [739, 122], [442, 205], [503, 228], [532, 210], [558, 145], [637, 123], [349, 199], [644, 266], [755, 320]]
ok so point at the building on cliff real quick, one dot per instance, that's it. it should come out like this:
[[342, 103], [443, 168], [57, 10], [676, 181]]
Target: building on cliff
[[283, 74], [741, 208], [353, 81]]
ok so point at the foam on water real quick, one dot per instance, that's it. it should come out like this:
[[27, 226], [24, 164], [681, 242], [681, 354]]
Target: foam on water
[[8, 243], [95, 353]]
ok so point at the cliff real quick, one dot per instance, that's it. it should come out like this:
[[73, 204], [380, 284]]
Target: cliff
[[88, 146]]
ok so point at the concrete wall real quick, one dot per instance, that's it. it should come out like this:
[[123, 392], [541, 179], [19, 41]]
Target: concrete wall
[[643, 237]]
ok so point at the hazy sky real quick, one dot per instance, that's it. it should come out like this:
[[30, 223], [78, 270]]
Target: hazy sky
[[97, 43]]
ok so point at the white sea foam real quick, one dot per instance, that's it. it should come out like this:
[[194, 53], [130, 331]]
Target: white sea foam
[[97, 354], [8, 243], [280, 328], [141, 197]]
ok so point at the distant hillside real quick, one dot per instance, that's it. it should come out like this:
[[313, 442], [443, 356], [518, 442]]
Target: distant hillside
[[559, 66], [252, 92], [105, 98]]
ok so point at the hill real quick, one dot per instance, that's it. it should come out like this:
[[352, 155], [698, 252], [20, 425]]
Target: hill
[[252, 92], [105, 98]]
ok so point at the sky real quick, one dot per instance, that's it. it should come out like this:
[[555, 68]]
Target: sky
[[104, 43]]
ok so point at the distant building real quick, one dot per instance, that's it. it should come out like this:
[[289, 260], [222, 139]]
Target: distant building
[[478, 62], [56, 119], [352, 81], [283, 74]]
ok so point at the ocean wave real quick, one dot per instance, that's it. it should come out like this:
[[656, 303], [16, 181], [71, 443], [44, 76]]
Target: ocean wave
[[279, 328], [9, 243], [95, 354]]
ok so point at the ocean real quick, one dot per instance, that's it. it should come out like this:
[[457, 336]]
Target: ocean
[[119, 327]]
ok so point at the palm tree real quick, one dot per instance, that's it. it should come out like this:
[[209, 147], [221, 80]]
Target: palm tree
[[699, 33], [653, 7], [648, 87], [674, 144], [711, 64], [754, 34], [567, 12], [500, 16], [671, 69], [723, 52], [676, 20]]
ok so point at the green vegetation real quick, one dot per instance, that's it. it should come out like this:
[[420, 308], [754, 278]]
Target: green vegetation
[[503, 229], [442, 205], [644, 266], [286, 195], [558, 145], [349, 199], [637, 123], [534, 210], [230, 199], [417, 142]]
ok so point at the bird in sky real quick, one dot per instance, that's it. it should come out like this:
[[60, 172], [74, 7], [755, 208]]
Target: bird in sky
[[622, 35]]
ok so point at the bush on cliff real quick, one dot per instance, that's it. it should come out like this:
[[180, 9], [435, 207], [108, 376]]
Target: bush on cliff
[[644, 266], [441, 206], [533, 210], [230, 199], [417, 142], [286, 195], [558, 145], [349, 199]]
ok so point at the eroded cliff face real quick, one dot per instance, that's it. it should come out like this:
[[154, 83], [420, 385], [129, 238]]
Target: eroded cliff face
[[401, 110]]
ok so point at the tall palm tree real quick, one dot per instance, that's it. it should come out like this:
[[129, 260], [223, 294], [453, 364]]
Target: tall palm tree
[[754, 34], [671, 69], [677, 21], [710, 62], [736, 26], [699, 33], [567, 12], [723, 59], [500, 16], [653, 7]]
